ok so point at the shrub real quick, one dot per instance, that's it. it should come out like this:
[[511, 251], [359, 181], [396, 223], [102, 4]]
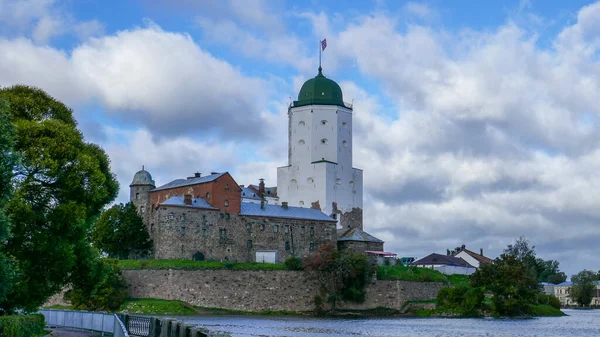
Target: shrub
[[22, 326], [228, 265], [467, 301], [293, 263], [550, 300]]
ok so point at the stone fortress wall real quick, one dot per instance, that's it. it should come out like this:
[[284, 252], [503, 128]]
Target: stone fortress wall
[[262, 290]]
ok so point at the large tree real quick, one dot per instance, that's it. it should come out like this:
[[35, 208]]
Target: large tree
[[583, 287], [7, 162], [120, 232], [61, 183]]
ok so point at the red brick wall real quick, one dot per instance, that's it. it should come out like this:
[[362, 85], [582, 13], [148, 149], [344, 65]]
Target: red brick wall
[[217, 189]]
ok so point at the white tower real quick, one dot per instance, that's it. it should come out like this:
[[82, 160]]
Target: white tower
[[319, 173]]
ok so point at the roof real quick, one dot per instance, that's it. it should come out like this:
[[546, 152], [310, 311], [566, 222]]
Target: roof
[[320, 90], [380, 253], [276, 211], [191, 181], [249, 193], [178, 201], [269, 191], [569, 284], [443, 260], [478, 257], [355, 234], [142, 177]]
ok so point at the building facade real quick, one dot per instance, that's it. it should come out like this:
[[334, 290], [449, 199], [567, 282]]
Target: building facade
[[319, 173]]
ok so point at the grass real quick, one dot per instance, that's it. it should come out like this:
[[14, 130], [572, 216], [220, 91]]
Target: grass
[[543, 310], [459, 280], [197, 265], [152, 306], [409, 274]]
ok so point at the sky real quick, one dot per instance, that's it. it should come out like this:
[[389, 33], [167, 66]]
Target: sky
[[475, 122]]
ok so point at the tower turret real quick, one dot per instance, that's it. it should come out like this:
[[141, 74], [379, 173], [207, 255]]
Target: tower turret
[[139, 190]]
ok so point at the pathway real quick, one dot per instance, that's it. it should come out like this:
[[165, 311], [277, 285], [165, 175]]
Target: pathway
[[68, 332]]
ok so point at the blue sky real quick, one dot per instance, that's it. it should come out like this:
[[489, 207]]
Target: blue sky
[[475, 122]]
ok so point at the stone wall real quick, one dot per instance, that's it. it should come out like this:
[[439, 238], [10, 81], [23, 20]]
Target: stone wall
[[180, 232], [262, 290], [359, 247]]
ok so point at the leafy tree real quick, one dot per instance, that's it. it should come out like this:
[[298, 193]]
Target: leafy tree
[[583, 287], [512, 280], [341, 276], [120, 231], [463, 299], [61, 184], [549, 271], [8, 272], [108, 294]]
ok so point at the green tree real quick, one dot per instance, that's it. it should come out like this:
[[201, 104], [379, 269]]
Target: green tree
[[512, 280], [61, 184], [109, 293], [120, 232], [583, 287], [341, 276], [8, 271], [549, 271]]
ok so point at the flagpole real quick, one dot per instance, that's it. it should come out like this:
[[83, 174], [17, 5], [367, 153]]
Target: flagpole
[[320, 54]]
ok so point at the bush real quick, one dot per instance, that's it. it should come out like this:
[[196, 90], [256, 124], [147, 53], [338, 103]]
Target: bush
[[550, 300], [22, 326], [293, 263], [464, 300]]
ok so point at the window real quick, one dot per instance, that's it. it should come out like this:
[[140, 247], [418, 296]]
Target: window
[[324, 141], [207, 196], [226, 187], [142, 209], [275, 228], [344, 125], [137, 196], [223, 233], [287, 245], [249, 243], [323, 122], [310, 180], [286, 229], [171, 216], [203, 232], [182, 217], [249, 227], [338, 181], [345, 143], [302, 230], [312, 247], [152, 227], [301, 123], [182, 229], [293, 182], [301, 203], [222, 215], [262, 227], [301, 142], [312, 231], [226, 203]]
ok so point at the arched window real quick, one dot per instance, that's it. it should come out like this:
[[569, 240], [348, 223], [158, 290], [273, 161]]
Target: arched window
[[301, 142], [301, 123], [345, 143], [324, 141], [323, 122], [207, 196], [142, 209], [310, 180]]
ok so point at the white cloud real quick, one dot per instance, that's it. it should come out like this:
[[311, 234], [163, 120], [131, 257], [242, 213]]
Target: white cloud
[[86, 29]]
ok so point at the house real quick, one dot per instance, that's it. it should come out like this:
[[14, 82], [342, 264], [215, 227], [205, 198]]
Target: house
[[474, 259], [563, 292], [381, 258], [446, 264]]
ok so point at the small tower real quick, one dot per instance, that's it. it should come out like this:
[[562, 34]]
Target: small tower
[[139, 190]]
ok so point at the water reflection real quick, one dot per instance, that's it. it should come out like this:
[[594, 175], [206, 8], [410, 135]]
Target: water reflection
[[578, 323]]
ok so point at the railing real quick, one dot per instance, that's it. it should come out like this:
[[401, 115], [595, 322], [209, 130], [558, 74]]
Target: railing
[[120, 325]]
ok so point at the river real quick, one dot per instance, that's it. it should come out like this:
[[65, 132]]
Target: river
[[584, 323]]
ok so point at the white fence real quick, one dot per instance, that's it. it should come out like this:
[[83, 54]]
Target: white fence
[[93, 321], [450, 270]]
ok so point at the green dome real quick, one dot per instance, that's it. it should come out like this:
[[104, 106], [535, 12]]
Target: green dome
[[320, 90], [142, 177]]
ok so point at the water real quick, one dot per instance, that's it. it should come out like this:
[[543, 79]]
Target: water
[[578, 323]]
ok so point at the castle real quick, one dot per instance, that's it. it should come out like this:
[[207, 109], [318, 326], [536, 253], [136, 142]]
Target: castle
[[318, 198]]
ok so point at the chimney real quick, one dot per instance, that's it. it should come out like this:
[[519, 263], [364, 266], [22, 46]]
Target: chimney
[[197, 175], [448, 252], [462, 247], [481, 251], [262, 204], [261, 187], [284, 205], [187, 199]]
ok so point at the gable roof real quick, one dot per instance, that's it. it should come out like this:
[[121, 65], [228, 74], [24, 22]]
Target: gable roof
[[478, 257], [355, 234], [177, 200], [187, 182], [249, 193], [434, 258], [276, 211]]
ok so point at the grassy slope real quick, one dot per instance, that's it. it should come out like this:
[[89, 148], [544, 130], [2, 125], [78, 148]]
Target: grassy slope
[[542, 310], [196, 265], [151, 306], [409, 274]]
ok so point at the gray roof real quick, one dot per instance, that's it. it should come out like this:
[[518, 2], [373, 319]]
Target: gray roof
[[178, 201], [276, 211], [569, 284], [269, 191], [355, 234], [142, 177], [434, 258], [187, 182], [249, 193]]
